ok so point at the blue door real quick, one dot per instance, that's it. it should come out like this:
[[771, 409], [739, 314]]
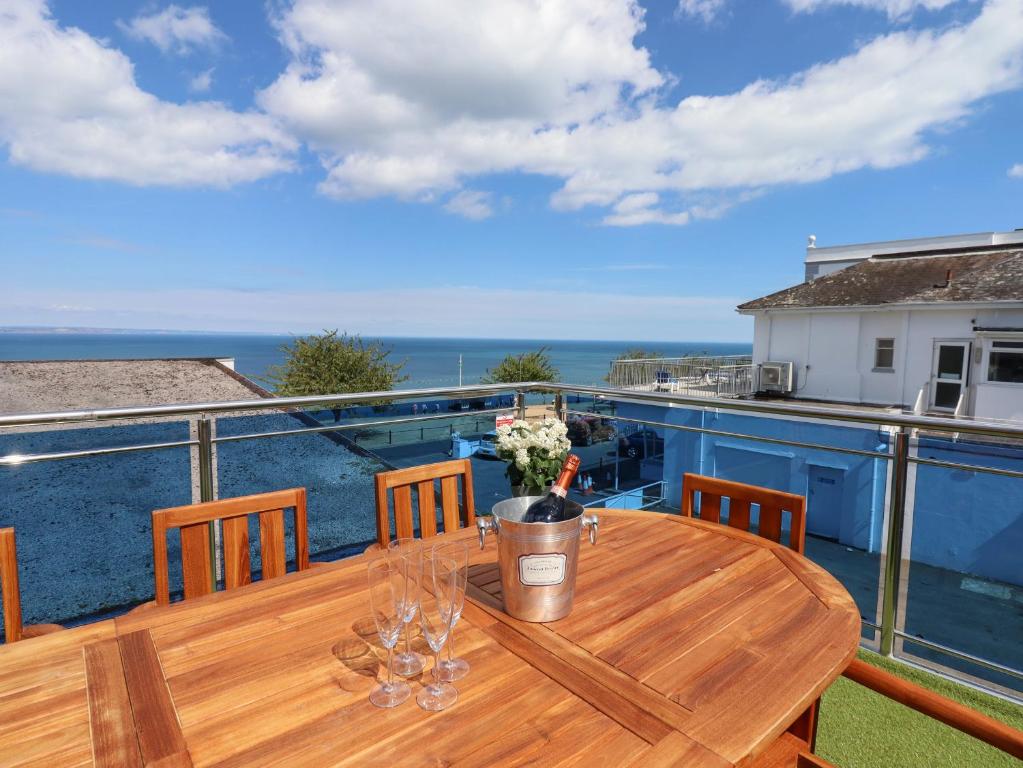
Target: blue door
[[824, 501]]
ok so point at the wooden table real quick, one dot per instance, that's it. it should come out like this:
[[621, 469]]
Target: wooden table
[[690, 644]]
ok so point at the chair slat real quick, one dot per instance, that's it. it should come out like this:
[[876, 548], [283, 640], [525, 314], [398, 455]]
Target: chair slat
[[195, 560], [710, 507], [403, 526], [427, 509], [449, 502], [400, 481], [10, 590], [770, 522], [738, 513], [237, 567], [271, 543]]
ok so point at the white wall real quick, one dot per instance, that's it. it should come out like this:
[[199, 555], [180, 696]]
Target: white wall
[[839, 348]]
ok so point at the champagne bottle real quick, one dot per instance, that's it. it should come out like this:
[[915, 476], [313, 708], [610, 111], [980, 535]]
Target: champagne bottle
[[551, 508]]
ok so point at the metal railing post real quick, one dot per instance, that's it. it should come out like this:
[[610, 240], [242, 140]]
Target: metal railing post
[[893, 555], [204, 428], [520, 405], [559, 407]]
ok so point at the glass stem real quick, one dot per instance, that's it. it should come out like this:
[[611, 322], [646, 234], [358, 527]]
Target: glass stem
[[390, 668], [451, 644], [408, 637], [436, 667]]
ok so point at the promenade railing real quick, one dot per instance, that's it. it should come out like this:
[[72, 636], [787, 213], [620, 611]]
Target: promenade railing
[[726, 376], [930, 517]]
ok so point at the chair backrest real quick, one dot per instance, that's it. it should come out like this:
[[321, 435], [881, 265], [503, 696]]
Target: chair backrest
[[193, 522], [9, 588], [740, 496], [457, 508]]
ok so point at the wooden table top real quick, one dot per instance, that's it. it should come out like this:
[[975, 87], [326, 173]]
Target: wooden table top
[[689, 644]]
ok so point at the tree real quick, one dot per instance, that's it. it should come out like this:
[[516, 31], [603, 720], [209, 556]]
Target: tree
[[328, 364], [529, 366]]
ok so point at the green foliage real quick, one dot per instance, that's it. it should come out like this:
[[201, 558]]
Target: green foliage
[[329, 364], [529, 366]]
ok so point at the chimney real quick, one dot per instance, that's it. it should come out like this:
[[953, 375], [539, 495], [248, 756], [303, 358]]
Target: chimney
[[948, 280]]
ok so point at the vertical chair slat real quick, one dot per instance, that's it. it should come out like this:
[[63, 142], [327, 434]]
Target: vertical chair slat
[[195, 560], [10, 589], [403, 527], [301, 531], [427, 509], [449, 501], [271, 543], [770, 522], [738, 513], [468, 498], [710, 507], [237, 567]]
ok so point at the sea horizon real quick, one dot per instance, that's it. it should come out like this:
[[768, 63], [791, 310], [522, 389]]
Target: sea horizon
[[430, 361]]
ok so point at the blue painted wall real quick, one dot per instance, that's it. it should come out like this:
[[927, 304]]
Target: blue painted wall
[[962, 521]]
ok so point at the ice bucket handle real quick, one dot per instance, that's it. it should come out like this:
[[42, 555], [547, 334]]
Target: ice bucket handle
[[484, 523], [589, 521]]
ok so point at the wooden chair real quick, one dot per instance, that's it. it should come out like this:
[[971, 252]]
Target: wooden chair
[[741, 496], [934, 705], [10, 590], [193, 522], [457, 508]]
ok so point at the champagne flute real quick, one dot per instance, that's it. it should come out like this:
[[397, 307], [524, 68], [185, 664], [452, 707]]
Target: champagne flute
[[388, 591], [409, 663], [436, 612], [453, 668]]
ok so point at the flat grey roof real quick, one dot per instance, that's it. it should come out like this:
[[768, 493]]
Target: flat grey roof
[[59, 385]]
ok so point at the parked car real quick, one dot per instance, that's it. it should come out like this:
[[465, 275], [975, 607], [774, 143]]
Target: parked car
[[641, 444], [588, 430], [488, 445]]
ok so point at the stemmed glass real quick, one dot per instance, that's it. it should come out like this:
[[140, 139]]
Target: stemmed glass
[[388, 592], [436, 612], [409, 663], [453, 668]]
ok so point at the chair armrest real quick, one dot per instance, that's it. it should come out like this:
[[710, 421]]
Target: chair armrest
[[962, 718]]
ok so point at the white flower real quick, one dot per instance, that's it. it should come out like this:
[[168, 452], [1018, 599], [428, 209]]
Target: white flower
[[522, 459]]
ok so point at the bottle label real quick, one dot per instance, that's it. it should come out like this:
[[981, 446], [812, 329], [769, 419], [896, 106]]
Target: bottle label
[[542, 570]]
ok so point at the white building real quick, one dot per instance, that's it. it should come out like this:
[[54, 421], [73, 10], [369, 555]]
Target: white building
[[935, 324]]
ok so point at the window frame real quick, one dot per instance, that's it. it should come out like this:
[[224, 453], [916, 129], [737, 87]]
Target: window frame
[[878, 349], [990, 348]]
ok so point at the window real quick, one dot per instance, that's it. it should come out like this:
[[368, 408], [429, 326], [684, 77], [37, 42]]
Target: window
[[1005, 362], [884, 354]]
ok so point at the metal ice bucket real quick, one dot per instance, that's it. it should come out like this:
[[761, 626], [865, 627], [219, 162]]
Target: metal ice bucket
[[538, 561]]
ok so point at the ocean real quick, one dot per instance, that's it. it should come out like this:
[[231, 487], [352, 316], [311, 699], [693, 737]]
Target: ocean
[[429, 362]]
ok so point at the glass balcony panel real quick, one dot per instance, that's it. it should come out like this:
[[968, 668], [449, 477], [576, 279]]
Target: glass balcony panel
[[963, 583], [83, 525]]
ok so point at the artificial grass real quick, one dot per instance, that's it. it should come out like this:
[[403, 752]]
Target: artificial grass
[[862, 729]]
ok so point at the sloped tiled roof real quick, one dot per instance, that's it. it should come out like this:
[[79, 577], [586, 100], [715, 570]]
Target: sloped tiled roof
[[880, 280]]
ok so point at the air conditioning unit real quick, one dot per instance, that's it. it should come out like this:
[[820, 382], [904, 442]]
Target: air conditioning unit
[[776, 377]]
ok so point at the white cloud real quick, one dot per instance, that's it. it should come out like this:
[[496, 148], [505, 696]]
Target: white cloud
[[561, 90], [201, 82], [454, 310], [69, 104], [896, 9], [175, 29], [1016, 171], [705, 10], [472, 204]]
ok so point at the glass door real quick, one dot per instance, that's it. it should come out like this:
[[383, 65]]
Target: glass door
[[948, 376]]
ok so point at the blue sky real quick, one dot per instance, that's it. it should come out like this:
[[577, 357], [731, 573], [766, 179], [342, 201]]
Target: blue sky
[[582, 169]]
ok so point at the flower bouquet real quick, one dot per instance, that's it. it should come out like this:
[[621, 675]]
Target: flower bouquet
[[534, 452]]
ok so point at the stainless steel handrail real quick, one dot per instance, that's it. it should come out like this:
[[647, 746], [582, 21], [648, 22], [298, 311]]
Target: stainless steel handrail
[[794, 410]]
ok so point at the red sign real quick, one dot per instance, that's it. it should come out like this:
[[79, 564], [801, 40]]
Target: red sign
[[504, 419]]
